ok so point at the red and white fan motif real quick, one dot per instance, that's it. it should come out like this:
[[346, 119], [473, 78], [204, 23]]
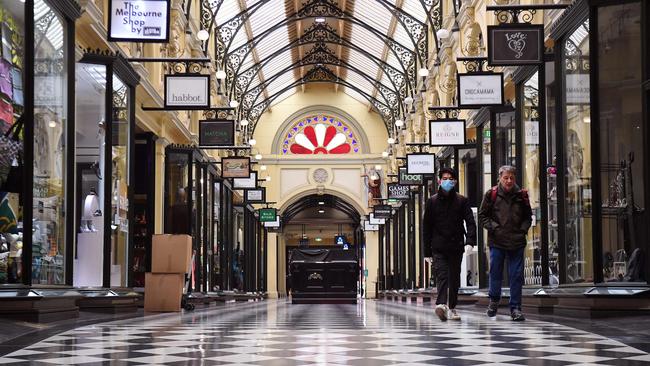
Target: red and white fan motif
[[320, 139]]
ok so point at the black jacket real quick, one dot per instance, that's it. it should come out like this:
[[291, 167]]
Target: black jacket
[[507, 219], [442, 224]]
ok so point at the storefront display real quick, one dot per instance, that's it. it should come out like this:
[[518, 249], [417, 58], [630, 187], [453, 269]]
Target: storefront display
[[11, 145]]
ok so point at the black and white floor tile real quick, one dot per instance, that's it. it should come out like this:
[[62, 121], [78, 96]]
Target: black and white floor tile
[[369, 333]]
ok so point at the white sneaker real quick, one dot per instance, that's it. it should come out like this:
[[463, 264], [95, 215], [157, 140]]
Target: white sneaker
[[441, 311], [452, 314]]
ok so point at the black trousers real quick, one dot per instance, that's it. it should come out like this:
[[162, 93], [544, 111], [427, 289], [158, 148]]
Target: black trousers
[[446, 268]]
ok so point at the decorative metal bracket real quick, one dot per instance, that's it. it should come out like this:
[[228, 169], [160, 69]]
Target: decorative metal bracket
[[445, 112], [205, 111], [475, 64], [417, 147], [178, 65], [520, 13]]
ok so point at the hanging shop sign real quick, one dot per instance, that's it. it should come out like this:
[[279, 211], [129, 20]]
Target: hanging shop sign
[[476, 90], [187, 91], [398, 191], [382, 211], [249, 182], [256, 195], [407, 179], [268, 214], [577, 89], [216, 133], [532, 132], [375, 220], [273, 224], [367, 226], [420, 163], [235, 167], [447, 132], [515, 44], [138, 21]]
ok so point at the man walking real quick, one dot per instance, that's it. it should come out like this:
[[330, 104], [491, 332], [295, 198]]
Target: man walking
[[444, 236], [506, 214]]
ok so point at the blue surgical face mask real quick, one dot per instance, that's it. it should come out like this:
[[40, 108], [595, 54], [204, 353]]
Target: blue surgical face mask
[[447, 185]]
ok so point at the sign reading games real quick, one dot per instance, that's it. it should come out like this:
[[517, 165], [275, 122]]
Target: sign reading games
[[515, 44], [477, 90], [183, 91], [447, 132], [138, 20], [216, 133], [398, 191], [420, 164]]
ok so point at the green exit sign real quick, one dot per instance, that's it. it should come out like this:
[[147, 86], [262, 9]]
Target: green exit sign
[[267, 214], [487, 133]]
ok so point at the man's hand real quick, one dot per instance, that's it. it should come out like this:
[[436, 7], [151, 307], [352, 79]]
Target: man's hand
[[469, 248], [428, 259]]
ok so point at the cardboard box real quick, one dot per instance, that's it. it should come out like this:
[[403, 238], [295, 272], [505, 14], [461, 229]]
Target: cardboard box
[[171, 253], [163, 291]]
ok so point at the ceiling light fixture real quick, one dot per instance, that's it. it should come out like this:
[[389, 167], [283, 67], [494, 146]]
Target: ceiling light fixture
[[384, 154], [268, 179], [377, 167], [258, 156], [252, 142], [442, 33], [234, 104], [399, 123], [320, 20], [321, 202], [243, 122], [423, 72], [390, 140], [263, 167], [321, 211], [221, 75]]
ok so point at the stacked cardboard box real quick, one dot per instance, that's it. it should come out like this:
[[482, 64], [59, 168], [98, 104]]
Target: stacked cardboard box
[[171, 256]]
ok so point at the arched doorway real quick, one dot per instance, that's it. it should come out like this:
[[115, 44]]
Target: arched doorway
[[319, 221]]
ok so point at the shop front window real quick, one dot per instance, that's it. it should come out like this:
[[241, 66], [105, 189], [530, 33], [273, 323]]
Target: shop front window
[[505, 141], [486, 156], [468, 177], [216, 247], [551, 175], [12, 15], [577, 158], [50, 124], [531, 179], [621, 131], [177, 214], [120, 183]]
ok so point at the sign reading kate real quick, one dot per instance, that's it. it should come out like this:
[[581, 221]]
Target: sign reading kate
[[515, 44], [480, 89], [138, 20]]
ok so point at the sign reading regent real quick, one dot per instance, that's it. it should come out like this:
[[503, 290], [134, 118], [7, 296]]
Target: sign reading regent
[[515, 44], [216, 133], [187, 91], [476, 90], [420, 164], [139, 20], [398, 191], [447, 132]]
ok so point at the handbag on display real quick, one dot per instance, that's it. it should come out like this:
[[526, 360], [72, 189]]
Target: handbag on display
[[11, 151]]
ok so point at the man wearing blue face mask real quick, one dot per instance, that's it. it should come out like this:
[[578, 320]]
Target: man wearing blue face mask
[[444, 236]]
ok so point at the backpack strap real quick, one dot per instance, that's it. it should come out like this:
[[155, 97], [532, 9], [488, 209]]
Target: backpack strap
[[493, 194], [524, 195]]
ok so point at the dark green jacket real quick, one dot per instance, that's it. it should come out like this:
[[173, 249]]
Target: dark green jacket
[[507, 219]]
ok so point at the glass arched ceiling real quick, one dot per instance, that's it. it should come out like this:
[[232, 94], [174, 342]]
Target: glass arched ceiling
[[258, 39]]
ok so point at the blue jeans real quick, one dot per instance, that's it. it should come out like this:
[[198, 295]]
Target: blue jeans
[[515, 274]]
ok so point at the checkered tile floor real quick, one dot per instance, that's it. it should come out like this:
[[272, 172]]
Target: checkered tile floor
[[370, 333]]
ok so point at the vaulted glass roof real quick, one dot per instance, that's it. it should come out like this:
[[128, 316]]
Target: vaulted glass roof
[[361, 45]]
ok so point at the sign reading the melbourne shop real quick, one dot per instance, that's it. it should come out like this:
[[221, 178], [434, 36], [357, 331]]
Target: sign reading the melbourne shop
[[235, 167], [398, 191], [267, 214], [420, 163], [216, 133], [515, 44], [577, 89], [187, 91], [407, 179], [138, 20], [476, 90], [447, 132], [382, 211]]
